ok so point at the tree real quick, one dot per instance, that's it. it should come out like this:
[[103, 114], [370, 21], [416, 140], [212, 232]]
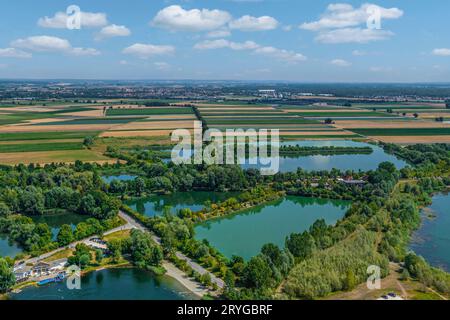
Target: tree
[[447, 104], [257, 273], [65, 235], [7, 279], [144, 251], [350, 281], [4, 210], [88, 141], [81, 257], [301, 245]]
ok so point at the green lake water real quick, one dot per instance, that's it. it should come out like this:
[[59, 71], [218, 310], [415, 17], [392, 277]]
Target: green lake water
[[154, 205], [111, 284], [245, 233], [56, 221], [432, 240], [342, 162], [8, 249], [122, 177]]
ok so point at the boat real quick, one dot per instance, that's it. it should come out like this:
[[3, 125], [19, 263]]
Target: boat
[[60, 277]]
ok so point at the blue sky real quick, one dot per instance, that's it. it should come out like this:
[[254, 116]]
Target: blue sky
[[293, 40]]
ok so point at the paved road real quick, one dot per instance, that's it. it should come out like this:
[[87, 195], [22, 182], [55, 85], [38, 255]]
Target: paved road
[[131, 223], [198, 268]]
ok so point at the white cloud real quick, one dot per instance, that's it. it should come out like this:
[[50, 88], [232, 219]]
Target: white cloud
[[353, 35], [359, 53], [88, 20], [113, 30], [51, 44], [222, 43], [340, 63], [218, 34], [443, 52], [342, 23], [279, 54], [162, 65], [175, 18], [14, 53], [249, 23], [84, 52], [145, 51], [342, 15]]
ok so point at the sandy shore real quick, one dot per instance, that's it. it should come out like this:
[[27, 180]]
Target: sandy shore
[[181, 277]]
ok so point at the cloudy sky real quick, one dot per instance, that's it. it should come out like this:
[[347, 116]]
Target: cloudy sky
[[294, 40]]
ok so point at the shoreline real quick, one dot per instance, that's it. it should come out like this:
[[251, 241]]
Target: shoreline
[[171, 271]]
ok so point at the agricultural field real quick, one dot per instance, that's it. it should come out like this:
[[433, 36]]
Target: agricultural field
[[288, 121], [47, 131]]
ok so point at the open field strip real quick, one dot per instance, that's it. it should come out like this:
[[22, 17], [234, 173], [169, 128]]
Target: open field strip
[[149, 111], [137, 133], [38, 146], [227, 109], [401, 106], [40, 141], [93, 121], [44, 157], [413, 139], [98, 112], [54, 128], [45, 135], [350, 124], [155, 125], [319, 110], [294, 133], [342, 114], [403, 131], [171, 117]]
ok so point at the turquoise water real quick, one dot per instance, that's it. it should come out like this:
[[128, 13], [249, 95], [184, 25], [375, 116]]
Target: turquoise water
[[432, 240], [8, 249], [342, 162], [112, 284], [56, 221], [154, 205], [245, 233], [122, 177]]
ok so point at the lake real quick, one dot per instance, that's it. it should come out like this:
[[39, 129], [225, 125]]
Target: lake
[[56, 221], [342, 162], [8, 249], [245, 233], [432, 240], [154, 205], [112, 284], [122, 177]]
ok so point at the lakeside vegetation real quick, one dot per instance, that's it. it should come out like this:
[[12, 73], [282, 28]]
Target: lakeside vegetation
[[375, 230]]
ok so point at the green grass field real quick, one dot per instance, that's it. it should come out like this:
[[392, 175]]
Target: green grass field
[[90, 121], [46, 135], [404, 132], [34, 147], [333, 114], [251, 121], [148, 111]]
